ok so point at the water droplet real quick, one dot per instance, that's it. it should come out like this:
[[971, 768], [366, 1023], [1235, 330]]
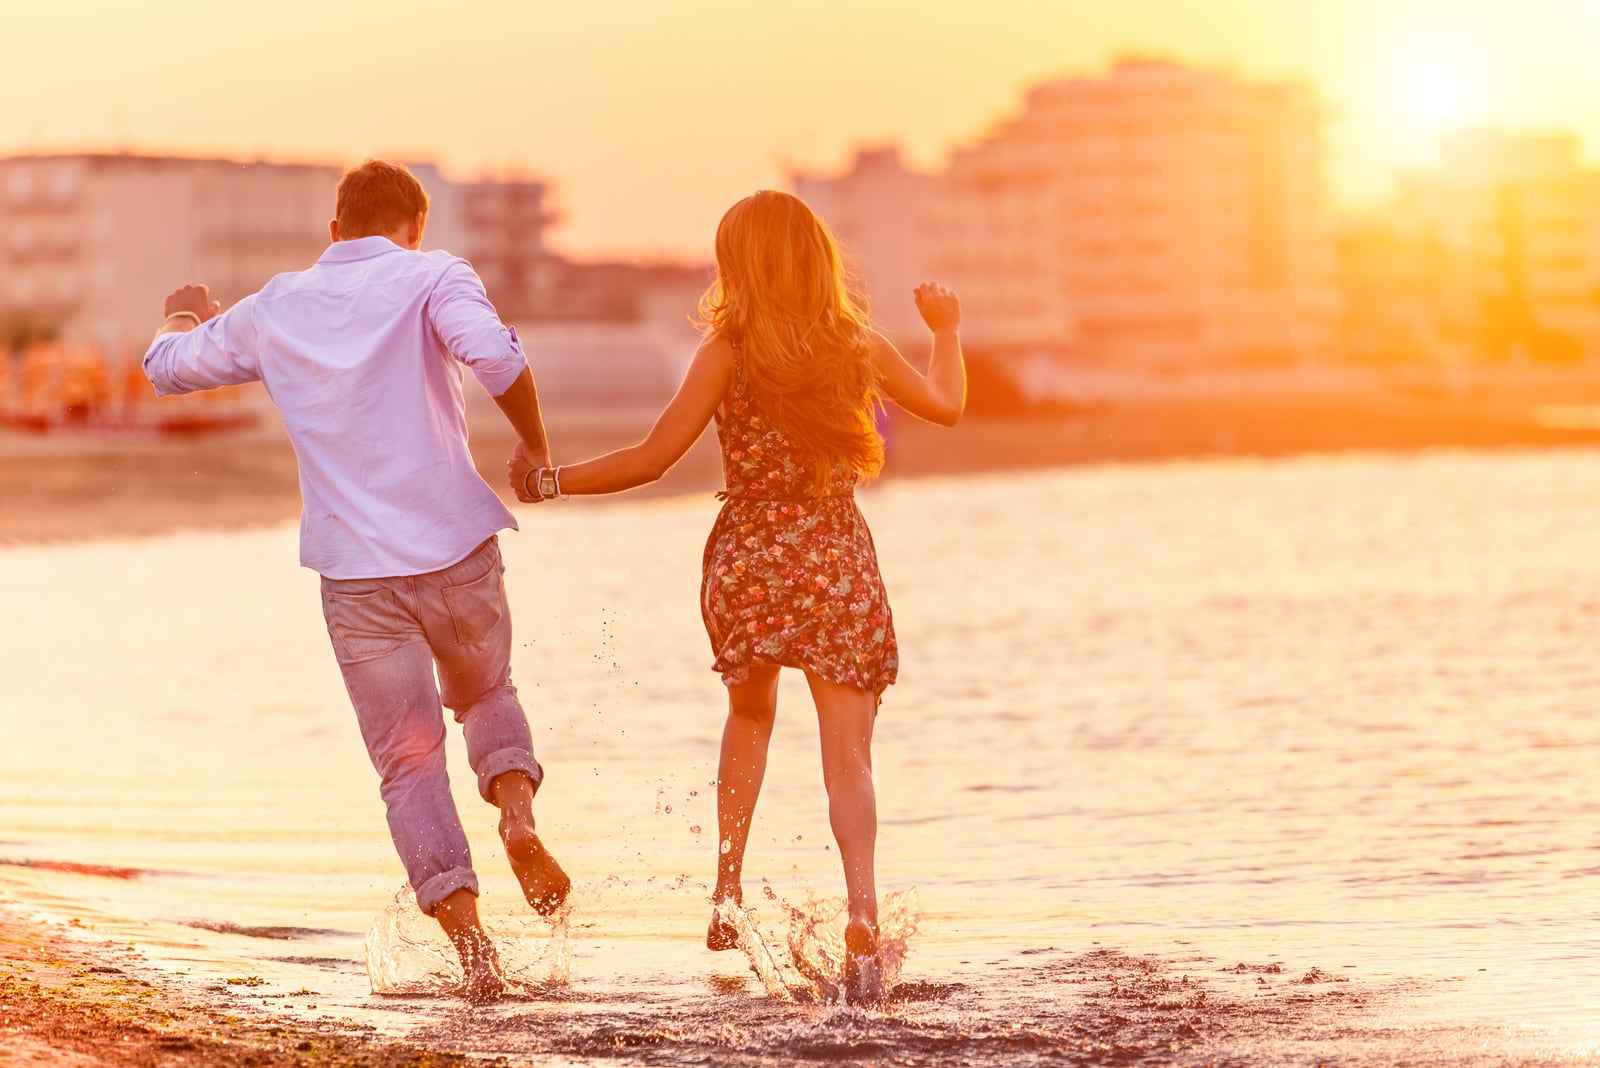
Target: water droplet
[[727, 846], [668, 808], [770, 894], [694, 829]]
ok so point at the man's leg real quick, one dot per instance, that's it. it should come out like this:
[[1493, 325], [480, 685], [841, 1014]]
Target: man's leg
[[469, 628], [388, 673], [458, 915]]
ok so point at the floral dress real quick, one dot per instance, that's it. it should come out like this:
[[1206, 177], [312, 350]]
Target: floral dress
[[790, 574]]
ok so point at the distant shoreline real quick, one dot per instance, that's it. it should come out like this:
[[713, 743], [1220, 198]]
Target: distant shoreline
[[65, 488]]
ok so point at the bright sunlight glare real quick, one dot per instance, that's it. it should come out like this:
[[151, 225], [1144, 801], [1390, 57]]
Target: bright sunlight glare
[[1438, 92]]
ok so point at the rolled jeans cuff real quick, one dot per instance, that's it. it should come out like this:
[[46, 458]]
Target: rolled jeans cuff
[[503, 760], [441, 886]]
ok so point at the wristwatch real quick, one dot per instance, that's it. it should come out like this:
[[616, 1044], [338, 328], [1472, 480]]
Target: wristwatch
[[548, 486]]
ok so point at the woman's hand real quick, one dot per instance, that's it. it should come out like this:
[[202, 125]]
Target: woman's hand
[[939, 307]]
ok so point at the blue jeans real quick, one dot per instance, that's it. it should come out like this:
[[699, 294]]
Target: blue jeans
[[390, 636]]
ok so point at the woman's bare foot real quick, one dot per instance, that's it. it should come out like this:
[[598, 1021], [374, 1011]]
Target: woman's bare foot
[[860, 959], [721, 934], [543, 882]]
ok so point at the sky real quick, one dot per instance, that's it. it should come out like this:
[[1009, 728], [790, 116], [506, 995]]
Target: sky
[[650, 117]]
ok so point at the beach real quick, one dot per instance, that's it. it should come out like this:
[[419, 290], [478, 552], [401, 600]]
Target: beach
[[1249, 734], [74, 486], [67, 999]]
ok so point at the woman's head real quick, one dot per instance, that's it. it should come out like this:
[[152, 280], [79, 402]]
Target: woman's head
[[783, 295], [774, 256]]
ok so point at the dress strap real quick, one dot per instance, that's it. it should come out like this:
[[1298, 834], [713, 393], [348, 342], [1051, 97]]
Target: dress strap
[[740, 378]]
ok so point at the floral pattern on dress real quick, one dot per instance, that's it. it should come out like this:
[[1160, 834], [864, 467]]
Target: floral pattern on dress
[[790, 574]]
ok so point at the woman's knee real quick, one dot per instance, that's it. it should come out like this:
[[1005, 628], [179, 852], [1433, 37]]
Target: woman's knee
[[846, 765], [756, 699], [757, 714]]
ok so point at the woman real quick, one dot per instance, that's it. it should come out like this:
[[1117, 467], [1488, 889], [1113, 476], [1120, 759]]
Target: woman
[[792, 371]]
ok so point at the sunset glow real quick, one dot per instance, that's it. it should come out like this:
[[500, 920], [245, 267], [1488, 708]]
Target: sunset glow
[[1439, 93], [651, 118], [400, 400]]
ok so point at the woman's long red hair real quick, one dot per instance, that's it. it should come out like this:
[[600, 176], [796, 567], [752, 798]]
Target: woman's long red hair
[[782, 294]]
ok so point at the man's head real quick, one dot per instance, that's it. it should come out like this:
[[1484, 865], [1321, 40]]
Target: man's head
[[380, 199]]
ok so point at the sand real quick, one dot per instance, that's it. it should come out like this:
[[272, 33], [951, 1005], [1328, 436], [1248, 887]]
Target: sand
[[67, 1001]]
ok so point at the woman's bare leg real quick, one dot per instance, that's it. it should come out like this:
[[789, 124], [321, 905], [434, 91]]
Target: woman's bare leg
[[752, 709], [845, 716]]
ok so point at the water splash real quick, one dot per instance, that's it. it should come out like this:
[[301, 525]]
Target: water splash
[[407, 952], [772, 973], [815, 967]]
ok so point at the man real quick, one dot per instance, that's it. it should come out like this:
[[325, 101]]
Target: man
[[362, 354]]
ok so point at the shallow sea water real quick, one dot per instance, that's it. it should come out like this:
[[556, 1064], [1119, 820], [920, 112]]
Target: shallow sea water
[[1219, 762]]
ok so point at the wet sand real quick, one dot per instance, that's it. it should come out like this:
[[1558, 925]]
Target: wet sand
[[88, 486], [68, 1000]]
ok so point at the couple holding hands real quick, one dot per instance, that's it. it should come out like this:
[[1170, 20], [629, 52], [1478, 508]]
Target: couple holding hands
[[362, 354]]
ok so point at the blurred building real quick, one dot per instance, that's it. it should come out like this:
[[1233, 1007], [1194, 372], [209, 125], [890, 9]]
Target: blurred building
[[1509, 226], [876, 209], [90, 244], [1158, 217], [498, 224]]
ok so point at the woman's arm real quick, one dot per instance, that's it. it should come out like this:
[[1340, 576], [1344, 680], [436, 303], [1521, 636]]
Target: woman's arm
[[940, 396], [676, 430]]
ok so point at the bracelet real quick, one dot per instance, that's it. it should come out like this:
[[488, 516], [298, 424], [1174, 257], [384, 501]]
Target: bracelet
[[559, 495], [190, 314]]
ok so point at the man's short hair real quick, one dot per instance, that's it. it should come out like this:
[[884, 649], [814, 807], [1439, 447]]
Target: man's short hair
[[378, 197]]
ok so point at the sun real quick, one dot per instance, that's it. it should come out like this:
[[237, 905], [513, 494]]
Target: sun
[[1438, 92]]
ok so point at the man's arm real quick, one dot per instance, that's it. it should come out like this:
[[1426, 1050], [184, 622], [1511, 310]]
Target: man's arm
[[520, 404], [196, 348], [471, 330]]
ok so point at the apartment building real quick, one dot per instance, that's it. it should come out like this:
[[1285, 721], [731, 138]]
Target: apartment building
[[1513, 224], [499, 224], [875, 210], [1154, 217], [90, 244]]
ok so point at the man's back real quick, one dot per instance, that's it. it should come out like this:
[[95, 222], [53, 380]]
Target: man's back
[[362, 355]]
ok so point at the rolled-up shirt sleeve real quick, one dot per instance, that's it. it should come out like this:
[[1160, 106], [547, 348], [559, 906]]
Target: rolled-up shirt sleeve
[[218, 352], [471, 329]]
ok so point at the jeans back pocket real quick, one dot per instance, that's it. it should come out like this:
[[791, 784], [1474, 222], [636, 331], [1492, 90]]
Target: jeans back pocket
[[477, 607], [365, 626]]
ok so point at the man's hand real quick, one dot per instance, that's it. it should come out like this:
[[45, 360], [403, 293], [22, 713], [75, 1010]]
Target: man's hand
[[528, 456], [189, 301], [522, 463], [195, 299]]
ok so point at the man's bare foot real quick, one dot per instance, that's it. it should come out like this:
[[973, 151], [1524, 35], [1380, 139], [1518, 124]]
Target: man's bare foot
[[543, 882], [484, 982], [721, 934]]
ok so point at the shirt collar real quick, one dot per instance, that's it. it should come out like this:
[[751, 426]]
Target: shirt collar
[[360, 248]]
